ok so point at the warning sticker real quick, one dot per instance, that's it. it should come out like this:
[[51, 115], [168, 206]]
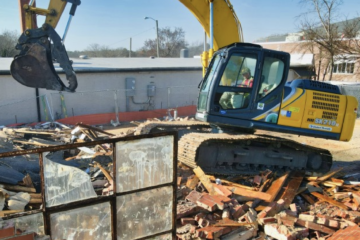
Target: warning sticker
[[294, 109]]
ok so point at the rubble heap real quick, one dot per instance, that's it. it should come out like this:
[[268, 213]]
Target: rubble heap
[[288, 207], [264, 206]]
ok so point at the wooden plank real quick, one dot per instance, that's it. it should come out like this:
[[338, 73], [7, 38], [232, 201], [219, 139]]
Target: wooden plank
[[94, 129], [16, 188], [250, 194], [329, 175], [291, 188], [192, 182], [4, 213], [308, 198], [225, 182], [276, 186], [205, 181], [33, 143], [330, 200]]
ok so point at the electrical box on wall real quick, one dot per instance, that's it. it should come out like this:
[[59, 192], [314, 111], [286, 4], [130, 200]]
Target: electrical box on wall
[[130, 87], [151, 90]]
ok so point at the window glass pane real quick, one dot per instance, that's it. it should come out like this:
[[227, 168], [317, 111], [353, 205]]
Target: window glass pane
[[335, 68], [350, 68], [272, 74], [64, 184], [213, 69], [144, 163], [90, 223], [238, 73], [343, 67], [144, 213], [33, 223]]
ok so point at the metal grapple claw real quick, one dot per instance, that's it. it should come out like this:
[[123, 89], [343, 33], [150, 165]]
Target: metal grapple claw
[[34, 66]]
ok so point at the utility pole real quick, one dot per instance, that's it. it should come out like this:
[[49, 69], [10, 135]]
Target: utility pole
[[157, 35], [130, 48], [157, 39]]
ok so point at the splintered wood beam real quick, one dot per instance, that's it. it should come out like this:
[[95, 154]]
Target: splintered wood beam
[[212, 178], [16, 188], [308, 198], [94, 129], [104, 171], [33, 143], [276, 186], [330, 200], [205, 180], [291, 188], [329, 175], [251, 194]]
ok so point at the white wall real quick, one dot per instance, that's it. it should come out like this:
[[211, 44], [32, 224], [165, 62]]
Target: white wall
[[95, 94]]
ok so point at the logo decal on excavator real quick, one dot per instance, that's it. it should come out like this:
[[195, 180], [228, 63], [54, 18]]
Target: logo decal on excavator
[[317, 127], [326, 122], [260, 106], [310, 120]]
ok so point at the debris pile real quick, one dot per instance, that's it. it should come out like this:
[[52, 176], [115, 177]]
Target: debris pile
[[267, 206], [20, 184]]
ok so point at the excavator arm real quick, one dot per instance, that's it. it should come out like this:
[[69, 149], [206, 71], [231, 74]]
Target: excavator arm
[[40, 47], [219, 20]]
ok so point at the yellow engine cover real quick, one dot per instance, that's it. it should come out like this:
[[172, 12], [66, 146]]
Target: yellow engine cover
[[320, 111]]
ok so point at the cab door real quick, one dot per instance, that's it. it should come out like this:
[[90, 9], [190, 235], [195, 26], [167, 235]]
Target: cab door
[[234, 98]]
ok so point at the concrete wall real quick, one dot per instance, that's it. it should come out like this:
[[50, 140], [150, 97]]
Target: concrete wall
[[96, 94]]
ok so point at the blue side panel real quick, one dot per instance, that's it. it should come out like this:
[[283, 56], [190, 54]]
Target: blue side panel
[[314, 85]]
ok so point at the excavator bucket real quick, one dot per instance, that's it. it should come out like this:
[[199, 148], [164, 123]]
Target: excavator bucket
[[34, 67]]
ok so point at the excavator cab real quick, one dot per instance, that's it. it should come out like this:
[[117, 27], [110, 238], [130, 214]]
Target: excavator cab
[[242, 82], [41, 48]]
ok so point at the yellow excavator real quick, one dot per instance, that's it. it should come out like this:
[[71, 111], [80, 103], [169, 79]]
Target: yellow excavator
[[244, 89]]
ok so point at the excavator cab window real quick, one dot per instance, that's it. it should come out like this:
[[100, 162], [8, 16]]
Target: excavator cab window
[[206, 84], [272, 74], [236, 82]]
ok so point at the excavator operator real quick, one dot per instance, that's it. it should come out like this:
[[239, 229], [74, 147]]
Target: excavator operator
[[232, 100], [248, 79]]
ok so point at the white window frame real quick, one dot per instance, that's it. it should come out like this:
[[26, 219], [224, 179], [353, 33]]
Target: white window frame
[[344, 64]]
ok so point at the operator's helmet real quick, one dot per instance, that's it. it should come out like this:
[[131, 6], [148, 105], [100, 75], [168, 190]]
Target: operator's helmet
[[245, 70]]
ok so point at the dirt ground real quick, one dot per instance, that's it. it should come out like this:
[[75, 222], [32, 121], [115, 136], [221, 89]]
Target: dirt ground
[[341, 151]]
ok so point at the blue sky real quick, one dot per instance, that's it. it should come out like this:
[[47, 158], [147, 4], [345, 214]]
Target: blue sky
[[113, 22]]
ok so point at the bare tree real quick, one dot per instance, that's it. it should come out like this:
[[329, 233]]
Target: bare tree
[[8, 42], [350, 36], [170, 43], [321, 32]]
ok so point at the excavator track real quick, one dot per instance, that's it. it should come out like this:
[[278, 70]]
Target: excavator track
[[240, 153], [227, 154]]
